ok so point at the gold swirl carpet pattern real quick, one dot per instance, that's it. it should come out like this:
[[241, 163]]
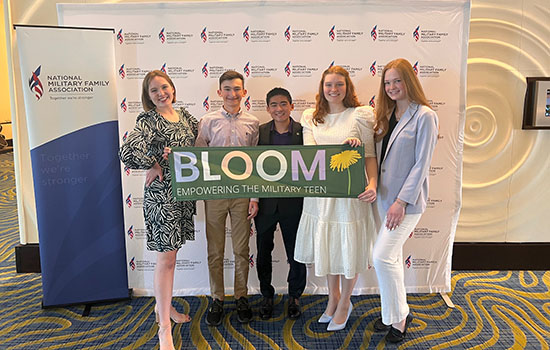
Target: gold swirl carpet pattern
[[497, 310]]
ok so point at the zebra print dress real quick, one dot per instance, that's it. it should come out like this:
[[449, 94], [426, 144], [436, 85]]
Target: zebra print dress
[[169, 223]]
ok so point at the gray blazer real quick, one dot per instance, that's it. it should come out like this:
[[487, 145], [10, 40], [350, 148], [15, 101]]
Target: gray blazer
[[406, 164]]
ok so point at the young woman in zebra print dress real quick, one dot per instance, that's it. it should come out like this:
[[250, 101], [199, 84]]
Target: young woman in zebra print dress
[[169, 223]]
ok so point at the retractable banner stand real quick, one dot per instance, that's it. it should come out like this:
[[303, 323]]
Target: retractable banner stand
[[69, 91], [289, 44]]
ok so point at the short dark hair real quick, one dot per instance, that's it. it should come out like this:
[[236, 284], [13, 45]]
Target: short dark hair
[[230, 75], [278, 91], [145, 99]]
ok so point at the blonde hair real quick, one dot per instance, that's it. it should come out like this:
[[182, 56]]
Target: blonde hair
[[145, 99], [385, 105], [321, 105]]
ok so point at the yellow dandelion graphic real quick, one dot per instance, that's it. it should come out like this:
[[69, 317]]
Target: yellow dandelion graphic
[[342, 161]]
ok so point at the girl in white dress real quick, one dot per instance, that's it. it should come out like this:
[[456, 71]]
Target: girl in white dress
[[337, 234]]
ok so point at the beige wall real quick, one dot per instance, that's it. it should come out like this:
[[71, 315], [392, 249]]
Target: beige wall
[[505, 184]]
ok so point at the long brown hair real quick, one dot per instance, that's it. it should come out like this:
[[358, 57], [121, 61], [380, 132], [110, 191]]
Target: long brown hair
[[321, 105], [385, 105], [145, 99]]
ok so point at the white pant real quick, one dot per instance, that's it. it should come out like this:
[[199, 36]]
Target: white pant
[[388, 263]]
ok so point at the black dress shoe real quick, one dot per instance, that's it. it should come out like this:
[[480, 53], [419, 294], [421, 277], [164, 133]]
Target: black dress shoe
[[266, 309], [244, 314], [215, 313], [294, 310], [379, 326], [395, 335]]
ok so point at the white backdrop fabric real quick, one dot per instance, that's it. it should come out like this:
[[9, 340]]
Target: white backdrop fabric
[[290, 44]]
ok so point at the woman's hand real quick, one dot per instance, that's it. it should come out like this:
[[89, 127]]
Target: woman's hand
[[166, 152], [352, 141], [395, 214], [369, 195], [154, 172]]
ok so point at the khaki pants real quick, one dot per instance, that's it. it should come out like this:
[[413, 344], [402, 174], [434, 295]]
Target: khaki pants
[[216, 214]]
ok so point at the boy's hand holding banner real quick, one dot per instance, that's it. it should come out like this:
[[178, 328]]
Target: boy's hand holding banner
[[267, 171]]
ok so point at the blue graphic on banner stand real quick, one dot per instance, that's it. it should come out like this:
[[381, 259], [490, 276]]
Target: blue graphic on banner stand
[[80, 217]]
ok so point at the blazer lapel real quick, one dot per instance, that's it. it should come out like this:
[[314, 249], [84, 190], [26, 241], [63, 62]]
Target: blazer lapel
[[405, 118], [266, 133]]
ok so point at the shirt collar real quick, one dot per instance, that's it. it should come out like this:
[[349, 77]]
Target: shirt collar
[[289, 126], [229, 115]]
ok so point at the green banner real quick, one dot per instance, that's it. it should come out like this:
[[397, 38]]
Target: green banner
[[267, 171]]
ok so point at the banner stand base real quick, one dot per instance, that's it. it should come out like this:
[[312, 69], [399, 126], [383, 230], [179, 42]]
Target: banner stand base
[[447, 300], [88, 304]]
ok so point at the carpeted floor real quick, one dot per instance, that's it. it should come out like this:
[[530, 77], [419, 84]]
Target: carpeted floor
[[496, 310]]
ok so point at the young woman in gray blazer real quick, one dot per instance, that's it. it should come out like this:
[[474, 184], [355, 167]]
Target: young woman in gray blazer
[[406, 131]]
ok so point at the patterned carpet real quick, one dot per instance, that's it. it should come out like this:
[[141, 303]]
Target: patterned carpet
[[496, 309]]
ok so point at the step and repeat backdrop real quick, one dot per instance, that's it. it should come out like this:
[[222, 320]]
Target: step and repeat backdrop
[[290, 44]]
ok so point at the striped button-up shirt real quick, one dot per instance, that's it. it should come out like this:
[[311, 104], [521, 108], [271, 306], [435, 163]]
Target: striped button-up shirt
[[221, 129]]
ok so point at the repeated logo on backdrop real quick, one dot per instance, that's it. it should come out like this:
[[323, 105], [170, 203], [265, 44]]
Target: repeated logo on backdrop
[[299, 70], [167, 36], [215, 36], [132, 38], [123, 105], [428, 70], [385, 34], [371, 101], [299, 35], [288, 69], [372, 69], [428, 35], [344, 34], [257, 35], [352, 70], [287, 33], [251, 260]]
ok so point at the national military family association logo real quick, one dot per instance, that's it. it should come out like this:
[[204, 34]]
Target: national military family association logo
[[35, 84], [122, 72], [162, 37]]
